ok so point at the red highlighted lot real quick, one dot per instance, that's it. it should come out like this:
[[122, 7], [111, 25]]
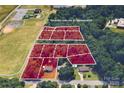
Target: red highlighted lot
[[61, 33], [43, 64], [58, 35], [48, 50], [36, 50], [40, 68], [32, 68], [48, 69], [45, 35], [76, 49], [61, 50], [73, 35], [43, 59], [85, 59]]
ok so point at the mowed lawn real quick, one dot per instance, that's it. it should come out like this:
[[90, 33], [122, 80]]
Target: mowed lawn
[[5, 10], [15, 46], [93, 76]]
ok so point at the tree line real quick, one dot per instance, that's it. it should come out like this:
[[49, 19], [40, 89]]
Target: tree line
[[106, 46]]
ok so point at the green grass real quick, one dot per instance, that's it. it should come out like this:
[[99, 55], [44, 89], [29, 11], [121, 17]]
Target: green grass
[[43, 7], [117, 30], [77, 76], [31, 22], [5, 10], [15, 46], [117, 86], [93, 75], [30, 12]]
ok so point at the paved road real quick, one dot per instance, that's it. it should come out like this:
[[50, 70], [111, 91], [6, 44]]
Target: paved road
[[88, 82]]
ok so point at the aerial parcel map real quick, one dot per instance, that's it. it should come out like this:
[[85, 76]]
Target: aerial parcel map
[[43, 46]]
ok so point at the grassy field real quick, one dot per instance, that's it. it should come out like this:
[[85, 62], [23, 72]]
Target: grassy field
[[15, 46], [43, 7], [117, 30], [5, 10], [93, 76]]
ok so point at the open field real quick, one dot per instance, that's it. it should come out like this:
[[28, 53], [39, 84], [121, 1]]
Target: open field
[[14, 47], [5, 10]]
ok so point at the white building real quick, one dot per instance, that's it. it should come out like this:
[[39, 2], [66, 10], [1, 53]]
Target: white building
[[120, 23]]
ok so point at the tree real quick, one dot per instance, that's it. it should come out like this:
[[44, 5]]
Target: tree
[[66, 73], [85, 86], [11, 83], [79, 85], [105, 86], [96, 86], [89, 76], [66, 86], [47, 84], [63, 61]]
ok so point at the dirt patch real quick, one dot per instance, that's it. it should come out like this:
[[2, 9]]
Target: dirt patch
[[11, 26], [8, 29]]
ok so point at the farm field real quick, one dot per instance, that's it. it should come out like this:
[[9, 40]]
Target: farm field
[[5, 10], [15, 46]]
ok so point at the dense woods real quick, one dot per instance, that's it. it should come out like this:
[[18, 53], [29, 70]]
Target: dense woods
[[106, 46], [66, 74], [11, 83]]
